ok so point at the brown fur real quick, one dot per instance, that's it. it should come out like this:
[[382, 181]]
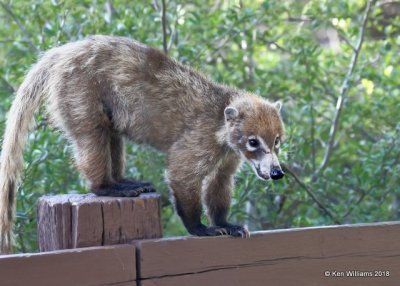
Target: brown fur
[[102, 89]]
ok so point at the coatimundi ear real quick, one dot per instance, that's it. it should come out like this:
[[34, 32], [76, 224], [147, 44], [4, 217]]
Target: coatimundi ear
[[231, 113], [278, 105]]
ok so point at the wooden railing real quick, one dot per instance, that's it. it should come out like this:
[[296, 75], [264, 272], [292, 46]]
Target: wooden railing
[[363, 254]]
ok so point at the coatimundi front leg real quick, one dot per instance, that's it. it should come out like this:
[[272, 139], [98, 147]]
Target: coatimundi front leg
[[187, 174], [218, 192], [186, 190]]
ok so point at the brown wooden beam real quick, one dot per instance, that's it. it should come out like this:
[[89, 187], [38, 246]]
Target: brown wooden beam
[[334, 255], [303, 256], [111, 265]]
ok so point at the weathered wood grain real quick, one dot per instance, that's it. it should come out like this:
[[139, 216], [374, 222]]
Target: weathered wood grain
[[87, 222], [300, 271], [111, 265], [73, 221], [280, 257], [54, 222]]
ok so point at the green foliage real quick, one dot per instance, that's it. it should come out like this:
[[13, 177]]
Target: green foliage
[[295, 51]]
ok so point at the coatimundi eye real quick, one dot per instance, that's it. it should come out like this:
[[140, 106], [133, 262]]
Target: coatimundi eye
[[277, 142], [254, 143]]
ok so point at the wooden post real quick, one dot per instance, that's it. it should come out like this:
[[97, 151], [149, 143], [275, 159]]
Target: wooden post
[[74, 221]]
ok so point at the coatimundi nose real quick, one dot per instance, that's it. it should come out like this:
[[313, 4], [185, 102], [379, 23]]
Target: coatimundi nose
[[277, 173]]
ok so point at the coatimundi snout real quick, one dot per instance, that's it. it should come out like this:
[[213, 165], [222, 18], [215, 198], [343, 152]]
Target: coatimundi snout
[[103, 89]]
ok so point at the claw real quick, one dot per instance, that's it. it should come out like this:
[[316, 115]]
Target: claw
[[149, 189], [118, 190], [246, 232], [131, 193], [222, 231], [237, 231], [141, 187], [233, 230]]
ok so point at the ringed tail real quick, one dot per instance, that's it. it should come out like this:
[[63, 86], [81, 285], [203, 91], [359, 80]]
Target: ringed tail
[[19, 119]]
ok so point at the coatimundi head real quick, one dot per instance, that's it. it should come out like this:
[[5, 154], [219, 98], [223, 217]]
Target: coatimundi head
[[255, 131]]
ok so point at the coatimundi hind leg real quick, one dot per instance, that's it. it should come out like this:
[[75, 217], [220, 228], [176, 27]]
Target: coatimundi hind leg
[[117, 151], [93, 159]]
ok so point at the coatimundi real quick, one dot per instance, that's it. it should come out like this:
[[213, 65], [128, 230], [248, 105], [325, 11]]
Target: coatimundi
[[102, 89]]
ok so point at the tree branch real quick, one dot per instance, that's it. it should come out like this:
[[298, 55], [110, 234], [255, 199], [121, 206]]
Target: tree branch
[[278, 46], [164, 26], [321, 206], [299, 19], [230, 34], [347, 41], [8, 85], [27, 35], [343, 92], [353, 205], [312, 135]]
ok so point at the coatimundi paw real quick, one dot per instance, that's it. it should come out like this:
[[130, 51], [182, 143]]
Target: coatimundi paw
[[131, 183], [131, 189], [233, 230]]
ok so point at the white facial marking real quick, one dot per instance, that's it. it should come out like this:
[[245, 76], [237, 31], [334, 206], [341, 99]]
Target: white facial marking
[[262, 166], [251, 148], [262, 144], [265, 146], [277, 142], [275, 161]]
